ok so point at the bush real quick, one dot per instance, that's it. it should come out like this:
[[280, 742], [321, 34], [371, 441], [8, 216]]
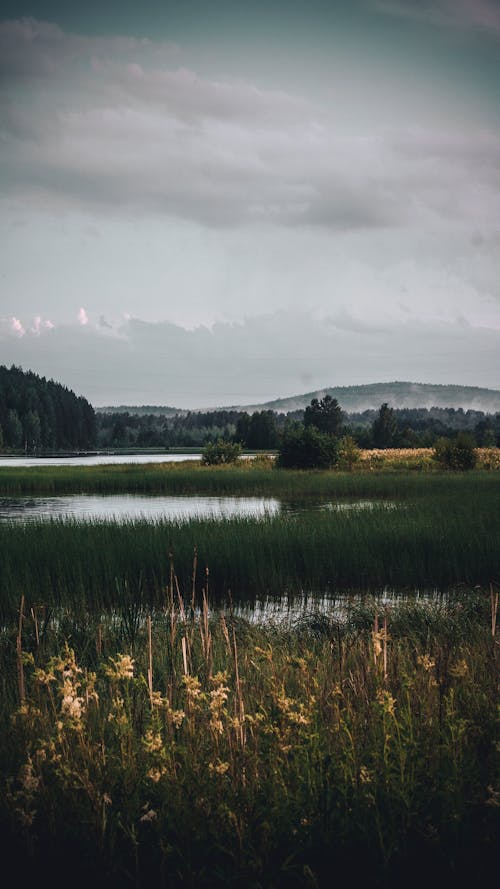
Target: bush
[[456, 453], [305, 447], [349, 453], [217, 452]]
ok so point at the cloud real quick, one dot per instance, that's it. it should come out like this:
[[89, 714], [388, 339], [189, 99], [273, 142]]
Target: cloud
[[32, 48], [124, 133], [83, 318], [261, 358], [17, 327], [463, 14]]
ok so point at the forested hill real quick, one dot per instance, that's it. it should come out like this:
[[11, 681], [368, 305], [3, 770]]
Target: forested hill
[[397, 394], [36, 413]]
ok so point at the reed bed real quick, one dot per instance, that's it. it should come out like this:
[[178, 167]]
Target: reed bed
[[447, 536], [377, 471], [206, 751]]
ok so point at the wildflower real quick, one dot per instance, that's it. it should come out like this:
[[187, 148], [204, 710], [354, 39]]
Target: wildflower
[[425, 661], [120, 668], [72, 705], [152, 742], [494, 797], [155, 774], [386, 701], [177, 717], [220, 678], [219, 768], [193, 686], [157, 700], [460, 669], [365, 775], [150, 815]]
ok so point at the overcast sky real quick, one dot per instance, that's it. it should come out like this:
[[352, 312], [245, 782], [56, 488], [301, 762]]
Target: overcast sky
[[223, 203]]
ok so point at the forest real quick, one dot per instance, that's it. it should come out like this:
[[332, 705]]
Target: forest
[[40, 416], [384, 427]]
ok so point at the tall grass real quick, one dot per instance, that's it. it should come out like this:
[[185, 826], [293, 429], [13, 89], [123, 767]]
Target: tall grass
[[250, 477], [206, 751], [446, 534]]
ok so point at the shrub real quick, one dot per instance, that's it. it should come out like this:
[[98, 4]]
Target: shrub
[[456, 453], [217, 452], [349, 453], [305, 447]]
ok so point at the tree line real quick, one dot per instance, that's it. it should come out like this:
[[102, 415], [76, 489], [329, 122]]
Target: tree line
[[385, 427], [41, 415]]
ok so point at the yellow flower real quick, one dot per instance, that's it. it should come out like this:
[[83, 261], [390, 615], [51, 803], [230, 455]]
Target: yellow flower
[[219, 768], [426, 662], [121, 667]]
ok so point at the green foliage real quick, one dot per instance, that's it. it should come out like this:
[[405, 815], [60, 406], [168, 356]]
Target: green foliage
[[257, 431], [325, 415], [385, 428], [349, 453], [305, 447], [39, 413], [456, 453], [220, 452]]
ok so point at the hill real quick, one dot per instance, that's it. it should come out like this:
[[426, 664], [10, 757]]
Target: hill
[[370, 396], [36, 413], [142, 410]]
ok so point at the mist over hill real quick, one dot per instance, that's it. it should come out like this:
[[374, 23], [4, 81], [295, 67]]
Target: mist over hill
[[354, 399], [397, 394]]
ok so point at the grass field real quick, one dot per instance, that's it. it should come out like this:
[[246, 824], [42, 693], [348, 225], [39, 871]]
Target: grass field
[[150, 736]]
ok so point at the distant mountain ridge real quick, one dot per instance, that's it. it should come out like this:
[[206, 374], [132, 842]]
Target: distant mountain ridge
[[355, 399], [369, 396]]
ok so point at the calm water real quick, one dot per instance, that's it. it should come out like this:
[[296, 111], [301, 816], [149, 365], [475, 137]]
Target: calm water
[[116, 507], [97, 459]]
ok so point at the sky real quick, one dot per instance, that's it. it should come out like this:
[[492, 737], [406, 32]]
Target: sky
[[215, 204]]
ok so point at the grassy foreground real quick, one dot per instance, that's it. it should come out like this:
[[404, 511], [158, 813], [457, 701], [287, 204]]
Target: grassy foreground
[[209, 751]]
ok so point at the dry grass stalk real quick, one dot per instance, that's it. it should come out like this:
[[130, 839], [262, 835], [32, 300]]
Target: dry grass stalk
[[184, 656], [494, 610], [384, 644], [19, 651], [150, 660], [35, 621]]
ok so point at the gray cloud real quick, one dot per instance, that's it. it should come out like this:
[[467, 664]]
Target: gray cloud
[[463, 14], [264, 357], [137, 137]]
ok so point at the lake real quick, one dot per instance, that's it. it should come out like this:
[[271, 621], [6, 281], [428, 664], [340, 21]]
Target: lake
[[123, 507], [97, 459]]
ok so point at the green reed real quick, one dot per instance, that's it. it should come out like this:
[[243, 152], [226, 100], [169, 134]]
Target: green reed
[[247, 478], [445, 537]]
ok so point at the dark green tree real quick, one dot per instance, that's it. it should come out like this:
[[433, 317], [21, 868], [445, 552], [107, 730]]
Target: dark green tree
[[385, 428], [305, 447], [325, 415]]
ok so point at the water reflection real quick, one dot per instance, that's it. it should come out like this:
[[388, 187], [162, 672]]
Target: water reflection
[[97, 459], [123, 507]]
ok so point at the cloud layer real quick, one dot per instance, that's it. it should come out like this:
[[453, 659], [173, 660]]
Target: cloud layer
[[250, 362], [111, 123]]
